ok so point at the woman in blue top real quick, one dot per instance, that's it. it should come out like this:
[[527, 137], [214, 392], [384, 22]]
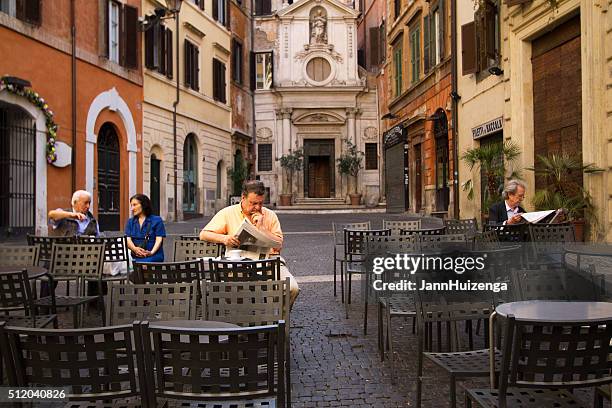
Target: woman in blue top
[[145, 232]]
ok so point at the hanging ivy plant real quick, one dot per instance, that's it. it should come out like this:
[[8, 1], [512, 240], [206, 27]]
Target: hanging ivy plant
[[40, 103]]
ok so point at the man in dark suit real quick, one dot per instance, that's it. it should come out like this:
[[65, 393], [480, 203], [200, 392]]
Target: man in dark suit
[[508, 211]]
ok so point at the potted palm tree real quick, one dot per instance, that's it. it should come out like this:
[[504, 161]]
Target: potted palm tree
[[349, 164], [490, 160], [563, 191], [291, 162]]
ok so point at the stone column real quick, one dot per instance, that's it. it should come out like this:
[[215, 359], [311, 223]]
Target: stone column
[[279, 132], [350, 115], [287, 138]]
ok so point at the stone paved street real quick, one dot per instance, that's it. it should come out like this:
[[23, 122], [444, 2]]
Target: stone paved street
[[333, 363]]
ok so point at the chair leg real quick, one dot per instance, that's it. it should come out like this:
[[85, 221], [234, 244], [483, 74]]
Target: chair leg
[[419, 389], [365, 313], [379, 330], [453, 392], [390, 346], [342, 280], [348, 299], [468, 400], [335, 261], [75, 316]]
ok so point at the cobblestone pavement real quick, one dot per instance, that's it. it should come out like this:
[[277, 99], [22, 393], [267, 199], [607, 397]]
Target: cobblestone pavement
[[333, 363]]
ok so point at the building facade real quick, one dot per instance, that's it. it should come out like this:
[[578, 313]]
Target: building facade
[[75, 65], [310, 94], [418, 141], [555, 88], [187, 177]]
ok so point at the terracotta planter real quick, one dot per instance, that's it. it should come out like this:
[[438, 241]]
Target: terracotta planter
[[285, 200], [355, 199], [579, 230]]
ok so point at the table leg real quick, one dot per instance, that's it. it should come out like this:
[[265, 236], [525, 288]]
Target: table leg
[[492, 348]]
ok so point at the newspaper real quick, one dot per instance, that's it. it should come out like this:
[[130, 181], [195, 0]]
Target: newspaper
[[255, 243], [539, 216]]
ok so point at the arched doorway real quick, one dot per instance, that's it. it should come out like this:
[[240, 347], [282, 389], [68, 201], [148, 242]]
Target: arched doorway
[[109, 176], [442, 163], [18, 169], [155, 183], [190, 174]]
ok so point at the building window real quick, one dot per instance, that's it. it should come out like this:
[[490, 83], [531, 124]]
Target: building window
[[219, 84], [192, 66], [481, 40], [113, 31], [263, 7], [237, 61], [371, 156], [25, 10], [415, 54], [397, 8], [119, 38], [263, 70], [199, 3], [433, 36], [397, 67], [264, 157], [158, 49], [220, 11]]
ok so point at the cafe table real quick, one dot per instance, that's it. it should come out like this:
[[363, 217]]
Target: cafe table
[[587, 249], [546, 311], [34, 271]]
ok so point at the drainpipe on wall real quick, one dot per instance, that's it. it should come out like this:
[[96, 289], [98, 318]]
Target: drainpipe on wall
[[253, 126], [454, 107], [174, 105], [73, 93]]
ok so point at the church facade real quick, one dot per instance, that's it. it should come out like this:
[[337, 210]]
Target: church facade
[[312, 96]]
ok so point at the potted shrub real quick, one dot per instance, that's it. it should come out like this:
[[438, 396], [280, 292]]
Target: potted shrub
[[291, 162], [238, 174], [349, 164], [491, 160], [562, 191]]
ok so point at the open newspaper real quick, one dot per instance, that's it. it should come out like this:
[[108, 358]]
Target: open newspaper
[[255, 243], [543, 217]]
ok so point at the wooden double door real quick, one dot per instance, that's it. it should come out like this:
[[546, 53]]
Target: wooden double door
[[319, 168]]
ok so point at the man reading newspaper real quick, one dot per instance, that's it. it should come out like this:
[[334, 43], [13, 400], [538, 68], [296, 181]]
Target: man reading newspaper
[[226, 228]]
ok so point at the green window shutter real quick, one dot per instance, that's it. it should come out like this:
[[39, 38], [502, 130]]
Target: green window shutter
[[426, 42]]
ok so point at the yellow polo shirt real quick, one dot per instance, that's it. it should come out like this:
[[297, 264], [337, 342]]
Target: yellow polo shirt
[[228, 220]]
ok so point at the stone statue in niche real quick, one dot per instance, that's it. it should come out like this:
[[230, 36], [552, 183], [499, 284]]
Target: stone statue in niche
[[318, 27]]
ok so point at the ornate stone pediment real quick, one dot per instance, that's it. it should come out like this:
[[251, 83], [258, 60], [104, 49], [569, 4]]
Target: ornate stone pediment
[[370, 133], [319, 118], [318, 48], [264, 133]]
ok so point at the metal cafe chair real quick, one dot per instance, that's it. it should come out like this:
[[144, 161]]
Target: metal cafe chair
[[338, 233], [149, 302], [76, 263], [168, 272], [466, 226], [95, 365], [234, 365], [457, 362], [188, 249], [515, 233], [246, 270], [543, 361], [354, 255], [45, 245], [251, 303], [396, 225], [423, 231], [547, 242], [19, 255]]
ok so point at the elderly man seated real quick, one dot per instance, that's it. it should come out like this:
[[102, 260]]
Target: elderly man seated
[[76, 221], [224, 225]]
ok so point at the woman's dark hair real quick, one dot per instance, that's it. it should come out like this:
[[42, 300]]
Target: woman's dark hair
[[145, 202]]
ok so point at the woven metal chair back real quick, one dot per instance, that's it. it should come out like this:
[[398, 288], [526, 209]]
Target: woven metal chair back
[[150, 302], [115, 248], [238, 364], [21, 255], [45, 245], [355, 242], [547, 354], [241, 271], [188, 250], [486, 240], [168, 272], [425, 231], [467, 226], [339, 227], [441, 242], [550, 238], [77, 261], [396, 225], [94, 364], [253, 303], [391, 244], [194, 237], [539, 284], [15, 291], [510, 233]]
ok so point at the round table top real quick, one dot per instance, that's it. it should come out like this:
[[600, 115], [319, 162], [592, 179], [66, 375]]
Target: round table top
[[34, 271], [552, 311], [593, 249], [195, 324]]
